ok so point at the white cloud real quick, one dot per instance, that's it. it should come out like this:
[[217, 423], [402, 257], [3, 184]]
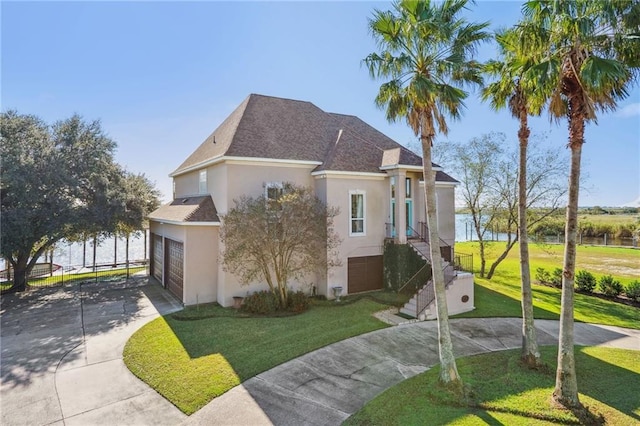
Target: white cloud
[[631, 110]]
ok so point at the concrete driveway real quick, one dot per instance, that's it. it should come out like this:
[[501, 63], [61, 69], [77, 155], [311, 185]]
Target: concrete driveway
[[62, 362], [61, 358]]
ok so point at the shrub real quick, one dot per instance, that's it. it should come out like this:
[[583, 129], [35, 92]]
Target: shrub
[[609, 286], [556, 278], [633, 290], [297, 302], [542, 276], [585, 281], [261, 302]]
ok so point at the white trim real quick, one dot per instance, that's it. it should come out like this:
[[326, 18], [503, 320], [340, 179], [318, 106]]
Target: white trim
[[443, 184], [408, 167], [353, 192], [323, 174], [180, 223], [246, 161]]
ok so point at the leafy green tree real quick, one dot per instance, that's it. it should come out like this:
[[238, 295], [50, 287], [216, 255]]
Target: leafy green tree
[[587, 55], [57, 182], [276, 240], [426, 56]]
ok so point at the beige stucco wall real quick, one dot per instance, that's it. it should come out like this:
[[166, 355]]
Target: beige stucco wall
[[186, 184], [371, 244], [462, 286], [201, 264], [446, 213]]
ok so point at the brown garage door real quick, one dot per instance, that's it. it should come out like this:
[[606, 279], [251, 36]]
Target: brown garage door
[[157, 255], [364, 273], [174, 265]]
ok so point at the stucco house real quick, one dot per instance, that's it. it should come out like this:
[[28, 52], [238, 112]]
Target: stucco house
[[375, 182]]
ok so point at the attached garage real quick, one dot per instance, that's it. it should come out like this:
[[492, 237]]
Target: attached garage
[[364, 274], [184, 249]]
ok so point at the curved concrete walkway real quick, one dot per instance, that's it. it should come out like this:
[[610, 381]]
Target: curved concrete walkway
[[62, 362], [326, 386]]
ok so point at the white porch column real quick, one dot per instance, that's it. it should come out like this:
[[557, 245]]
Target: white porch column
[[401, 207]]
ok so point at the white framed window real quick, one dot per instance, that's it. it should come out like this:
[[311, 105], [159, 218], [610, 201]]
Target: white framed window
[[357, 209], [272, 192], [202, 182]]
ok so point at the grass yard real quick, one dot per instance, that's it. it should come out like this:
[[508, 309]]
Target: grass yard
[[500, 296], [502, 392], [190, 361]]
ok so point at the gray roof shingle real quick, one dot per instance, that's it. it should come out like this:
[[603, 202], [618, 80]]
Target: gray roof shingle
[[278, 128], [187, 209]]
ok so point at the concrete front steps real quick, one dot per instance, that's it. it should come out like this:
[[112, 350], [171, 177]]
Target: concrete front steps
[[459, 299], [460, 294]]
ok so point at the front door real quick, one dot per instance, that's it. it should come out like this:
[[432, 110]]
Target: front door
[[409, 216]]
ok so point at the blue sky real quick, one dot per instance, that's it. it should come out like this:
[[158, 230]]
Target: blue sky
[[161, 76]]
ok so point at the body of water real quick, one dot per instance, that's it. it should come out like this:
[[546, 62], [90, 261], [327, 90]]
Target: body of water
[[108, 250], [465, 231]]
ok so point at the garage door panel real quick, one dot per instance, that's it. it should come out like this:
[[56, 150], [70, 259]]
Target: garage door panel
[[364, 274], [174, 272], [157, 257]]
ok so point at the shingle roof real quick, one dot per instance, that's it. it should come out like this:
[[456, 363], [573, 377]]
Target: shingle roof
[[187, 209], [278, 128]]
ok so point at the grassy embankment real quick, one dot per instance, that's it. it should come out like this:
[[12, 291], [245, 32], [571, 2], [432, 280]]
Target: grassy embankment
[[500, 296]]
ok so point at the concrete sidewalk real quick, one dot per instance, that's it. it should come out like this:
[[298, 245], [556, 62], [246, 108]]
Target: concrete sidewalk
[[326, 386], [62, 355], [62, 362]]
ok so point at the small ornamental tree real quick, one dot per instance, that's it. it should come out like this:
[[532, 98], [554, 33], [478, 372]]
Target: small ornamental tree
[[279, 238]]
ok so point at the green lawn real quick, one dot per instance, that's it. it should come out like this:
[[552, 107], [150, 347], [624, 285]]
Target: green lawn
[[190, 362], [500, 296], [502, 392]]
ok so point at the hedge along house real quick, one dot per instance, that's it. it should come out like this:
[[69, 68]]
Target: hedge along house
[[375, 182]]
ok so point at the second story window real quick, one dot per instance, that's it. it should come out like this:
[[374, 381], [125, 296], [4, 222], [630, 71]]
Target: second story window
[[272, 192], [357, 216], [202, 182]]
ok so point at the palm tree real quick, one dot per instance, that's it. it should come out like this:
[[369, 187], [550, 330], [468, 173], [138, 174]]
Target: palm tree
[[510, 90], [590, 55], [426, 51]]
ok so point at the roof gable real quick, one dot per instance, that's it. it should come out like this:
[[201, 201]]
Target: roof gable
[[286, 129]]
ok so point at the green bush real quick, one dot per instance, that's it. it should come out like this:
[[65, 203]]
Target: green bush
[[585, 281], [556, 278], [542, 276], [609, 286], [261, 302], [297, 302], [633, 290]]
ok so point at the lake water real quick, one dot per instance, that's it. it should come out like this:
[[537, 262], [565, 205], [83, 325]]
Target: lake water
[[70, 254], [465, 231]]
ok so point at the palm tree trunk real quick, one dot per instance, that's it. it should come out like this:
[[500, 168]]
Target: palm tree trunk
[[448, 368], [530, 351], [566, 389]]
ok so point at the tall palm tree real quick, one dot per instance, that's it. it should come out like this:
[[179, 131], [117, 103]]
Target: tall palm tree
[[426, 51], [590, 55], [511, 91]]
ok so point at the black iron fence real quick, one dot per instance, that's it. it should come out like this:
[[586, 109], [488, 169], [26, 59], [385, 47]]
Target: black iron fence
[[52, 275], [463, 262]]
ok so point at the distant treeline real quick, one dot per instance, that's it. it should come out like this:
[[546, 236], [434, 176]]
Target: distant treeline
[[617, 222], [589, 228]]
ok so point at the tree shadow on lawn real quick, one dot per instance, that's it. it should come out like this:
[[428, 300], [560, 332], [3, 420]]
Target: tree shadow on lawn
[[43, 326], [503, 391]]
